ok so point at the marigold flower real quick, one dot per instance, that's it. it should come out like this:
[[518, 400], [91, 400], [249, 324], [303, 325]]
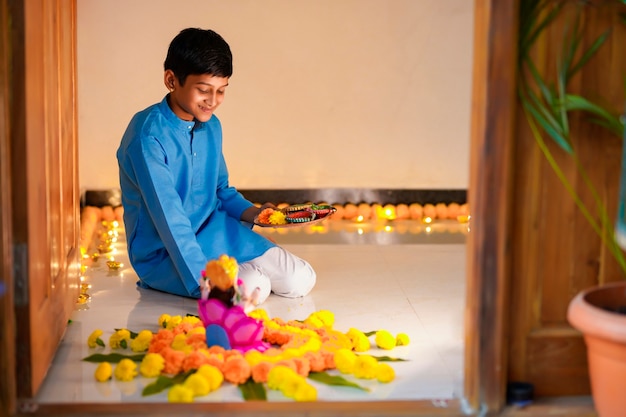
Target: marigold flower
[[180, 394], [402, 339], [385, 340], [94, 339], [277, 217], [163, 319], [213, 376], [236, 370], [152, 365], [316, 361], [305, 392], [264, 215], [290, 384], [119, 339], [103, 372], [259, 314], [344, 360], [385, 373], [141, 343], [322, 318], [365, 367], [196, 359], [173, 360], [180, 343], [222, 272], [198, 384], [173, 322], [360, 342], [193, 320], [125, 370], [277, 375], [260, 371]]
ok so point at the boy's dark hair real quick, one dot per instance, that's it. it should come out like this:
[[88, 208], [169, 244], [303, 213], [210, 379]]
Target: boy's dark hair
[[198, 51]]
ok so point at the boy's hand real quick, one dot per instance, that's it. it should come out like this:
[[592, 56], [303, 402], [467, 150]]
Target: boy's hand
[[249, 214]]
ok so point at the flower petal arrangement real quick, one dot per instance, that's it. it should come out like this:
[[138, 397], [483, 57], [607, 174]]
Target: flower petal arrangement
[[193, 356]]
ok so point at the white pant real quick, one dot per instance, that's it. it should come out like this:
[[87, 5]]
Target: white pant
[[278, 271]]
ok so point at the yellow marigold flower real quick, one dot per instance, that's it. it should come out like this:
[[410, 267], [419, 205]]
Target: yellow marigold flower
[[305, 392], [180, 394], [314, 321], [253, 357], [385, 373], [402, 339], [290, 384], [277, 217], [180, 343], [213, 376], [119, 339], [126, 370], [259, 314], [198, 384], [163, 320], [197, 330], [360, 342], [327, 317], [103, 372], [191, 319], [344, 360], [278, 375], [385, 340], [365, 367], [141, 343], [94, 339], [173, 322], [152, 365]]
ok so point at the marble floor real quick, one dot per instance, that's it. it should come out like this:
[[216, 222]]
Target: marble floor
[[403, 279]]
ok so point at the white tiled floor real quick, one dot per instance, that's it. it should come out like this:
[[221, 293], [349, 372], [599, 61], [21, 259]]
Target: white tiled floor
[[415, 287]]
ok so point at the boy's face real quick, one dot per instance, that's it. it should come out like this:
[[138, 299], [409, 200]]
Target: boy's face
[[198, 98]]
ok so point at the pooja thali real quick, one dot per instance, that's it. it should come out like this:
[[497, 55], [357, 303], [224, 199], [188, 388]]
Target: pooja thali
[[294, 215]]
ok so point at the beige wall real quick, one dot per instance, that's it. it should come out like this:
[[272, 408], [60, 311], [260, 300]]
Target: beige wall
[[325, 93]]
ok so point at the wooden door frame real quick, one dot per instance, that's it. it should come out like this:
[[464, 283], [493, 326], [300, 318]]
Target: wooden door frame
[[489, 194], [8, 394]]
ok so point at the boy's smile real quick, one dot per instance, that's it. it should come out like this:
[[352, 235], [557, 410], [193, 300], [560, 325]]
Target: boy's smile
[[198, 98]]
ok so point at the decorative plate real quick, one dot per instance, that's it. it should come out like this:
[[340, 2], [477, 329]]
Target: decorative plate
[[295, 215]]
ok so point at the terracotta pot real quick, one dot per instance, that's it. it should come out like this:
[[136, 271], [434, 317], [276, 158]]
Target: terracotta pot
[[605, 336]]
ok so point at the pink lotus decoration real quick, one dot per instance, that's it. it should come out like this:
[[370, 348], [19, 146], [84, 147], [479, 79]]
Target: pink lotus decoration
[[244, 333]]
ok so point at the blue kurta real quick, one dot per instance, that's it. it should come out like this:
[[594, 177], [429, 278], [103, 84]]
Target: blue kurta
[[179, 210]]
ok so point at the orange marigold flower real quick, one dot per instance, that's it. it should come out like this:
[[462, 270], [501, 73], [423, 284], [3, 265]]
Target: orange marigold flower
[[217, 349], [264, 215], [236, 370], [316, 361], [303, 366], [195, 359], [260, 371], [197, 340], [329, 359], [173, 360]]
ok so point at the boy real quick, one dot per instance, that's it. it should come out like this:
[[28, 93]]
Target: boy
[[179, 209]]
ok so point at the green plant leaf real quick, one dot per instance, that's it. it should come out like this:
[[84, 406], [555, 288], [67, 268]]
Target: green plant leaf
[[112, 357], [165, 382], [335, 380], [253, 391], [577, 103], [100, 342], [132, 334], [389, 359], [548, 127], [372, 333], [589, 53]]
